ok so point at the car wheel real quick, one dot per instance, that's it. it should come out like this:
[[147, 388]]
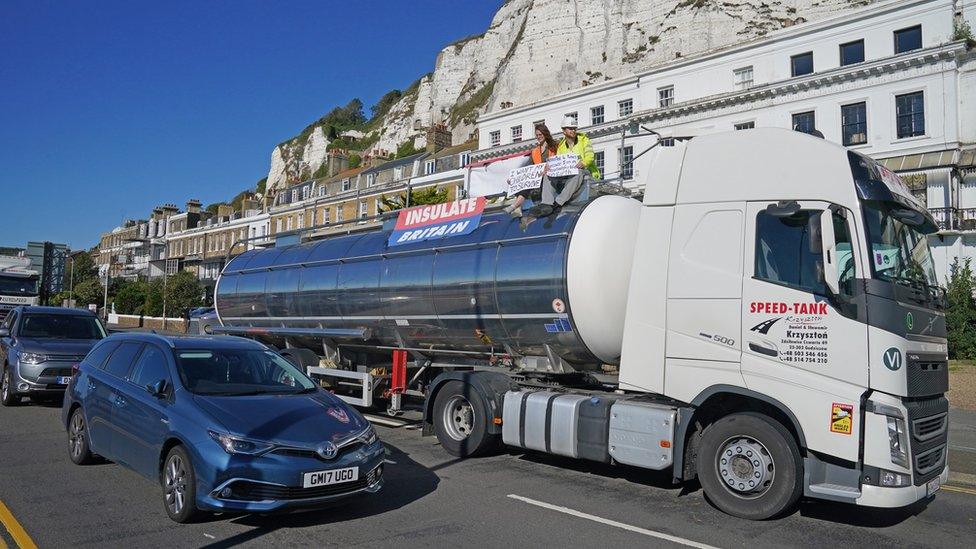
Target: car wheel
[[78, 448], [750, 467], [179, 486], [461, 421], [7, 396]]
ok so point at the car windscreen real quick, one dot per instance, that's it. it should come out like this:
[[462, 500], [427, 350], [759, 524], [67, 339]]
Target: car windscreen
[[237, 372], [60, 327], [15, 285]]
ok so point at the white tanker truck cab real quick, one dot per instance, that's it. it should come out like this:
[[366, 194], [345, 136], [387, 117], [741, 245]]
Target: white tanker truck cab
[[783, 288], [766, 320], [783, 301]]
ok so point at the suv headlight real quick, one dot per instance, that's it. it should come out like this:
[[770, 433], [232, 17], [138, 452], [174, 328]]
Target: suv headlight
[[898, 441], [239, 445], [32, 358]]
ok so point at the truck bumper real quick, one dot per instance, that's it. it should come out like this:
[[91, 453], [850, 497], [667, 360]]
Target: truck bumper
[[880, 496]]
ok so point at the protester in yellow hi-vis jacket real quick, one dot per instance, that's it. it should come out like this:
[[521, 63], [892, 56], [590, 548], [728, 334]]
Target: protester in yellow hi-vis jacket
[[557, 191]]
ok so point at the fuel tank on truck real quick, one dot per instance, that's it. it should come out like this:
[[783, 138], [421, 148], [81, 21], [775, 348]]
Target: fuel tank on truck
[[561, 282]]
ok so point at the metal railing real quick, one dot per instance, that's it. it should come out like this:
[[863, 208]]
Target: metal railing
[[946, 218]]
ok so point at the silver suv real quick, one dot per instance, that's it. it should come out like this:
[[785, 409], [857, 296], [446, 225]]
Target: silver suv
[[39, 347]]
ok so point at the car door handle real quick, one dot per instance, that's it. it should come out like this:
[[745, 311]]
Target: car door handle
[[91, 385], [119, 401], [763, 350]]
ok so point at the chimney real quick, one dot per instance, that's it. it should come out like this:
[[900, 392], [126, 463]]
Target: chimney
[[193, 206], [249, 204], [224, 211], [438, 137]]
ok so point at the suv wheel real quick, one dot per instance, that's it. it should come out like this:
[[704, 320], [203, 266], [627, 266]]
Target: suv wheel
[[7, 396], [179, 486]]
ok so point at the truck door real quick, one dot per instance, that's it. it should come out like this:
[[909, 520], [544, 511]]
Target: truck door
[[802, 343]]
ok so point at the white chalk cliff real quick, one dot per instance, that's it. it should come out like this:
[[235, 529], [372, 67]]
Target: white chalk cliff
[[536, 48]]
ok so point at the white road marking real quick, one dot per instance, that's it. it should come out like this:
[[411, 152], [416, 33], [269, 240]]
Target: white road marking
[[209, 536], [621, 525], [390, 461], [385, 421]]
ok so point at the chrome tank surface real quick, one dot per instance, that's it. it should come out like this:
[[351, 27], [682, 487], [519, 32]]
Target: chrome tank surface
[[499, 289]]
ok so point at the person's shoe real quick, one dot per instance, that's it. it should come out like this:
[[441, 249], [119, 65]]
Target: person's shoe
[[516, 213], [544, 210]]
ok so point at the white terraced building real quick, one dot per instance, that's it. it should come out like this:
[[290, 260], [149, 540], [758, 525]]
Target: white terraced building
[[895, 80]]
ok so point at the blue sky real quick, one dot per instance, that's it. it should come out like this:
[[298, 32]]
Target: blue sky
[[109, 108]]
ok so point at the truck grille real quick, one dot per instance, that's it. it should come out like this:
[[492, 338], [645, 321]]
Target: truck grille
[[929, 427], [930, 460], [928, 421], [928, 374]]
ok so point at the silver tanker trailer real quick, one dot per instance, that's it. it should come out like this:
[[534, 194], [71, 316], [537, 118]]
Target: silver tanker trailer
[[766, 320]]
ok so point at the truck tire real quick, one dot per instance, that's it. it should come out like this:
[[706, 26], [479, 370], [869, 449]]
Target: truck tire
[[303, 358], [750, 467], [461, 418]]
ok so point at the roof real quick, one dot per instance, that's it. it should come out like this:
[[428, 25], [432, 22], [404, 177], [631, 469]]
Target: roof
[[919, 161], [57, 310], [396, 163], [471, 145], [344, 174], [192, 342]]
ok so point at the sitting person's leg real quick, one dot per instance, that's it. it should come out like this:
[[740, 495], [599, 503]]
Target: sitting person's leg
[[572, 186]]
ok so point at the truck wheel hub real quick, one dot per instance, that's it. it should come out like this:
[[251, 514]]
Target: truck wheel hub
[[745, 466], [458, 418]]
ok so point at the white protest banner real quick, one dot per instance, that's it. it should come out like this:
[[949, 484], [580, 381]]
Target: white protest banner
[[528, 177], [563, 165]]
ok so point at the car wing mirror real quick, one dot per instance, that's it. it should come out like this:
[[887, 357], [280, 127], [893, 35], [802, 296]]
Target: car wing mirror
[[4, 332], [157, 389], [831, 274]]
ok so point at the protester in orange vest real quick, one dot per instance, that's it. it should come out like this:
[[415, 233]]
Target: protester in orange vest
[[545, 147]]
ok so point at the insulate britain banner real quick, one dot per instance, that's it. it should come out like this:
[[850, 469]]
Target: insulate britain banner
[[435, 221]]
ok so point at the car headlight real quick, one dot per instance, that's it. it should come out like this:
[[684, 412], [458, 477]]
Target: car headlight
[[898, 441], [239, 445], [32, 358], [369, 436]]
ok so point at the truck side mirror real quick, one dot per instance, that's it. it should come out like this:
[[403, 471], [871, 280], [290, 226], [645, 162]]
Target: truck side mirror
[[831, 273]]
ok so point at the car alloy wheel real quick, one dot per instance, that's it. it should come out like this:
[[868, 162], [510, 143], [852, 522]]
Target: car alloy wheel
[[175, 484], [76, 437]]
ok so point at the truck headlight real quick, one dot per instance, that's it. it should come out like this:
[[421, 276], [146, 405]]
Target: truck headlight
[[32, 358], [892, 479], [240, 446], [898, 441]]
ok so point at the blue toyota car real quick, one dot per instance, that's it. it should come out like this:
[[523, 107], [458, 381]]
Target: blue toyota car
[[224, 424]]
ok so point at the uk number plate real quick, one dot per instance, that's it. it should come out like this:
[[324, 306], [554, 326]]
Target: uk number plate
[[332, 476], [933, 486], [63, 380]]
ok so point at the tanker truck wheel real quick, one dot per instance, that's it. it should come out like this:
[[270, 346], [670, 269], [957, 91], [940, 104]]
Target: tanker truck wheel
[[461, 420], [750, 467]]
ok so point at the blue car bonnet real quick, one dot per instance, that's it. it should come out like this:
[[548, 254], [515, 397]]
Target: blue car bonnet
[[302, 420]]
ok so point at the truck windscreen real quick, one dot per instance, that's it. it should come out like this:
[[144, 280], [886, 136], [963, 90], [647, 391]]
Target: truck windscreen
[[15, 285], [899, 244]]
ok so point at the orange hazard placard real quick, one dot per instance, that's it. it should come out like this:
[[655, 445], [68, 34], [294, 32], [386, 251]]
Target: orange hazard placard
[[842, 418]]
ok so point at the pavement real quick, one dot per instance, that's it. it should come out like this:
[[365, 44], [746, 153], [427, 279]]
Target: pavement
[[962, 447], [431, 499]]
